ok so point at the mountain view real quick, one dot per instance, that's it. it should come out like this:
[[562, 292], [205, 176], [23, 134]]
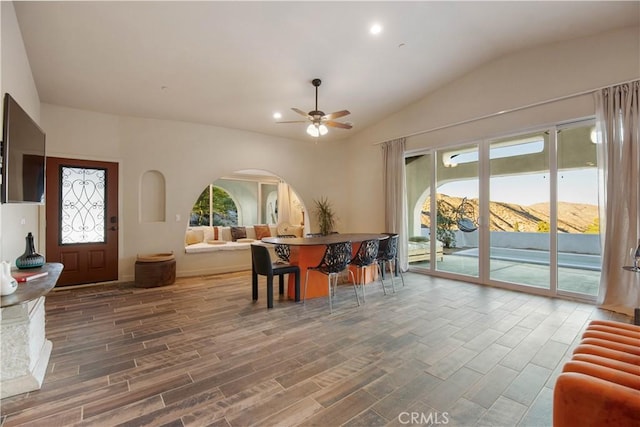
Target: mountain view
[[572, 217]]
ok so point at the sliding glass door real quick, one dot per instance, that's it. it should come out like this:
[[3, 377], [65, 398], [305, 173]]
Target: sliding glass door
[[457, 210], [519, 210], [418, 172], [442, 220], [578, 228]]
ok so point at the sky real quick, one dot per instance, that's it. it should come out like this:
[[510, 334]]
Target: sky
[[576, 186]]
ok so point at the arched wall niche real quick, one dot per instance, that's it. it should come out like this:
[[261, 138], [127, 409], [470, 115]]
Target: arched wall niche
[[153, 203]]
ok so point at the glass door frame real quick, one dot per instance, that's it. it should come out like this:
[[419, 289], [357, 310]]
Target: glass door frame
[[484, 174]]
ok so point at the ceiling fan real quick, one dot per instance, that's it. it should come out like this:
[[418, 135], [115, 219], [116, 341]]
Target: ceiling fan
[[319, 120]]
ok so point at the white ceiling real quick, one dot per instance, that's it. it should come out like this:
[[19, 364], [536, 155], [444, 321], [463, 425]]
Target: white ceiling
[[233, 64]]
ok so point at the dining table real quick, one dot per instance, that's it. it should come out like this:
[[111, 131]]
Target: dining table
[[307, 252]]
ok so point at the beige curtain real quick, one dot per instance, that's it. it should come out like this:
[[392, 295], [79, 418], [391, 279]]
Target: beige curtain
[[289, 209], [395, 218], [284, 207], [617, 128]]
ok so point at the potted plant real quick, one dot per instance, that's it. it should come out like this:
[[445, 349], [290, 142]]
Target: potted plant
[[445, 224], [324, 215]]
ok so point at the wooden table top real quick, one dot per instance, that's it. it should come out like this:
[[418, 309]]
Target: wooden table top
[[324, 240], [35, 288]]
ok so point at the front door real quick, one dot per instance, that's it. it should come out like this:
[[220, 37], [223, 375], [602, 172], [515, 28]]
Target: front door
[[82, 219]]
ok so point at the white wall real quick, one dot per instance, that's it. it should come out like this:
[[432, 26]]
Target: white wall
[[16, 220], [521, 79], [189, 156]]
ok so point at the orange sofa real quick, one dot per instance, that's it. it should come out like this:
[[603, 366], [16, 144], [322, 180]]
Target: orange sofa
[[600, 385]]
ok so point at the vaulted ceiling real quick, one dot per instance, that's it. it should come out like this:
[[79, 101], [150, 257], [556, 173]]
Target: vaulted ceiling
[[234, 64]]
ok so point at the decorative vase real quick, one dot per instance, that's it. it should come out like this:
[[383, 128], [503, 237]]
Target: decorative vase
[[8, 284], [30, 258]]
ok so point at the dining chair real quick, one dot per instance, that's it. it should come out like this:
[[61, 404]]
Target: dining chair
[[388, 256], [366, 256], [283, 251], [335, 260], [262, 265]]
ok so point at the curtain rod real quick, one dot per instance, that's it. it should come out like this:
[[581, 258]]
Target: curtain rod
[[499, 113]]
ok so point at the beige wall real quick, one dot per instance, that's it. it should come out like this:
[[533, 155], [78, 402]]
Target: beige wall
[[189, 156], [16, 220], [349, 173], [518, 80]]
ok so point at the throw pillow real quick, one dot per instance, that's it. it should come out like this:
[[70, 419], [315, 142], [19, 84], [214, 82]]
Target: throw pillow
[[209, 233], [194, 236], [238, 233], [262, 231]]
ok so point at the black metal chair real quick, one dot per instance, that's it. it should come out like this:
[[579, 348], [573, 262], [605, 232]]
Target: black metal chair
[[388, 256], [367, 255], [335, 260], [284, 251], [262, 265]]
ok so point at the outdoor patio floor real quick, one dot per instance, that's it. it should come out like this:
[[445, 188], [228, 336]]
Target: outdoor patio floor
[[580, 278]]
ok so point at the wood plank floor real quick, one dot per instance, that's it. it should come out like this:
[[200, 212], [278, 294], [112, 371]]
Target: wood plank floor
[[201, 353]]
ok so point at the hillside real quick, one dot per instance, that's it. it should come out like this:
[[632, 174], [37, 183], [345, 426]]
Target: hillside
[[572, 217]]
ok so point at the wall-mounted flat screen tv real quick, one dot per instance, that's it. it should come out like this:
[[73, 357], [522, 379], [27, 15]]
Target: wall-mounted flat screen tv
[[23, 156]]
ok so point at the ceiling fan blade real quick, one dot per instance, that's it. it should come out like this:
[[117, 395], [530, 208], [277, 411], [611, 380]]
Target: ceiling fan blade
[[336, 115], [294, 121], [337, 125], [302, 113]]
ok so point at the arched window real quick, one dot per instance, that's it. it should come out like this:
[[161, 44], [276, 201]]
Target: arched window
[[214, 207]]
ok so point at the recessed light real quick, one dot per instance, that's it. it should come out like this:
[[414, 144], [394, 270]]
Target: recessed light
[[277, 115], [375, 29]]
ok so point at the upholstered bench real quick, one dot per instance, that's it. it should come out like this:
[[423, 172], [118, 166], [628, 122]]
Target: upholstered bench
[[600, 385]]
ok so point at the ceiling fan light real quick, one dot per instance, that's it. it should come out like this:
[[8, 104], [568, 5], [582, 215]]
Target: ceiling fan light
[[313, 131], [323, 129]]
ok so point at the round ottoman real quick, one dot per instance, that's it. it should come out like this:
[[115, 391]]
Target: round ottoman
[[155, 270]]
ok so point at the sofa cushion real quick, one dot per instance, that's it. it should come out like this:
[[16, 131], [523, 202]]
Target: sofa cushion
[[262, 231], [209, 233], [251, 233], [238, 233], [224, 233], [215, 242], [194, 236], [205, 247]]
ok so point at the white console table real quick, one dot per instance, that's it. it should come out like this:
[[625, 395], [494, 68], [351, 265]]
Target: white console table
[[25, 351]]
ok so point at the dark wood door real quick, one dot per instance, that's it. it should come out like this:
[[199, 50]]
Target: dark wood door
[[82, 219]]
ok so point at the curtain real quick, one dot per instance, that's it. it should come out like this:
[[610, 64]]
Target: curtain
[[618, 133], [289, 209], [284, 207], [395, 218]]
